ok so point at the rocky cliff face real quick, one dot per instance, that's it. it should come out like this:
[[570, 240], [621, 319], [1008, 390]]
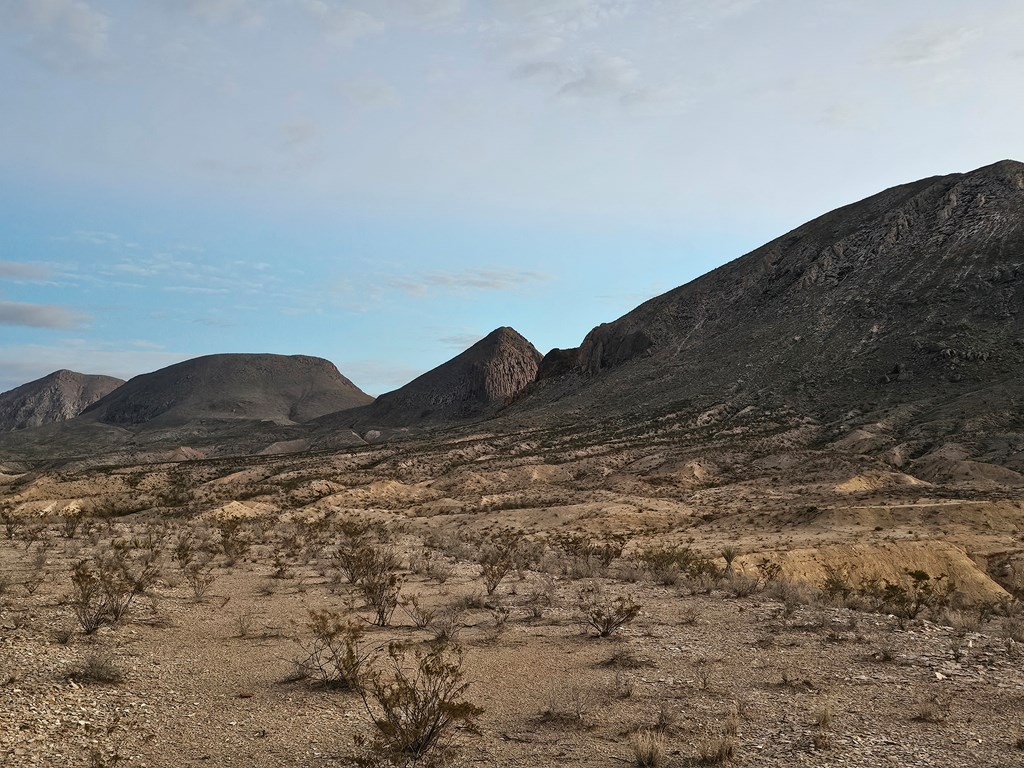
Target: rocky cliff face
[[479, 380], [908, 302], [60, 396]]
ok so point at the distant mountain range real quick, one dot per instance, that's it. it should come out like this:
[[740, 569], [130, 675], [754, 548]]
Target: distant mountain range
[[889, 327]]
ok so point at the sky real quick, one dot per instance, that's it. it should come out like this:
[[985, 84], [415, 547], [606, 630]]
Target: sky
[[383, 182]]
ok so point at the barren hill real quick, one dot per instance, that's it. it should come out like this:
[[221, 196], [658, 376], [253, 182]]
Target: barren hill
[[472, 384], [899, 314], [57, 397], [278, 388]]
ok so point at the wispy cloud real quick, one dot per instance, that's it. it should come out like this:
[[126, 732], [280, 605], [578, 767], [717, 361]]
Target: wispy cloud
[[39, 316], [243, 12], [461, 340], [63, 35], [20, 363], [468, 280], [19, 270], [931, 45], [340, 22]]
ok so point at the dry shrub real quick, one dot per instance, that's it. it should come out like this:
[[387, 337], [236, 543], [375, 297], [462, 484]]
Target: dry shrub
[[200, 579], [649, 749], [718, 750], [422, 616], [416, 700], [930, 710], [334, 655], [97, 668], [605, 614]]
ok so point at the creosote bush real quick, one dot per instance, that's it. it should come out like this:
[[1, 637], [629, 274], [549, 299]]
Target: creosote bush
[[416, 701], [606, 614], [334, 655]]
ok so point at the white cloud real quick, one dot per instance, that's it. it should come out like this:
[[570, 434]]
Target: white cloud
[[468, 280], [39, 315], [19, 270], [63, 35]]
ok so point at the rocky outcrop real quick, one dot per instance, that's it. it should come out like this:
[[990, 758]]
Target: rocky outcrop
[[60, 396], [478, 381], [905, 309]]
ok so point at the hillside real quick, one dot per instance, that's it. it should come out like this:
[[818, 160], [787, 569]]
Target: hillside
[[898, 316], [472, 385], [60, 396], [278, 388]]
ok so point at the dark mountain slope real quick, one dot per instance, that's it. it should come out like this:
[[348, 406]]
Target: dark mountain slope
[[60, 396], [912, 300], [278, 388], [471, 385]]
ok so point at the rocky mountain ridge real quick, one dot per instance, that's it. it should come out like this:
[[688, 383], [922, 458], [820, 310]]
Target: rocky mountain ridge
[[57, 397]]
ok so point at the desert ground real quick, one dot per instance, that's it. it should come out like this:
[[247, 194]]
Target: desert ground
[[753, 616]]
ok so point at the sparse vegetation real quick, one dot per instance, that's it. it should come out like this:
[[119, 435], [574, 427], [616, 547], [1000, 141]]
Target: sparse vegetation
[[415, 700], [605, 614], [649, 749]]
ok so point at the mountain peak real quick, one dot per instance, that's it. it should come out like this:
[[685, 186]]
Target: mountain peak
[[475, 382], [280, 388], [58, 396]]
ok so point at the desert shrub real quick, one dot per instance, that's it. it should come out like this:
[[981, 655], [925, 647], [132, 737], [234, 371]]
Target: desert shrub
[[235, 540], [200, 578], [541, 597], [447, 625], [567, 708], [1013, 629], [930, 709], [125, 574], [439, 569], [69, 522], [718, 750], [334, 655], [588, 557], [32, 583], [87, 599], [498, 555], [421, 615], [742, 584], [380, 582], [97, 667], [11, 522], [184, 550], [667, 564], [104, 589], [350, 557], [837, 584], [415, 700], [606, 614], [919, 591], [649, 749], [729, 553]]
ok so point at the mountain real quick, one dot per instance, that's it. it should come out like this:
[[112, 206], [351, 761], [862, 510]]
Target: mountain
[[60, 396], [278, 388], [901, 315], [471, 385], [216, 405]]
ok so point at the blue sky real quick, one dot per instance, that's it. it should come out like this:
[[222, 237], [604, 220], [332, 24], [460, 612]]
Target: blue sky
[[380, 183]]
